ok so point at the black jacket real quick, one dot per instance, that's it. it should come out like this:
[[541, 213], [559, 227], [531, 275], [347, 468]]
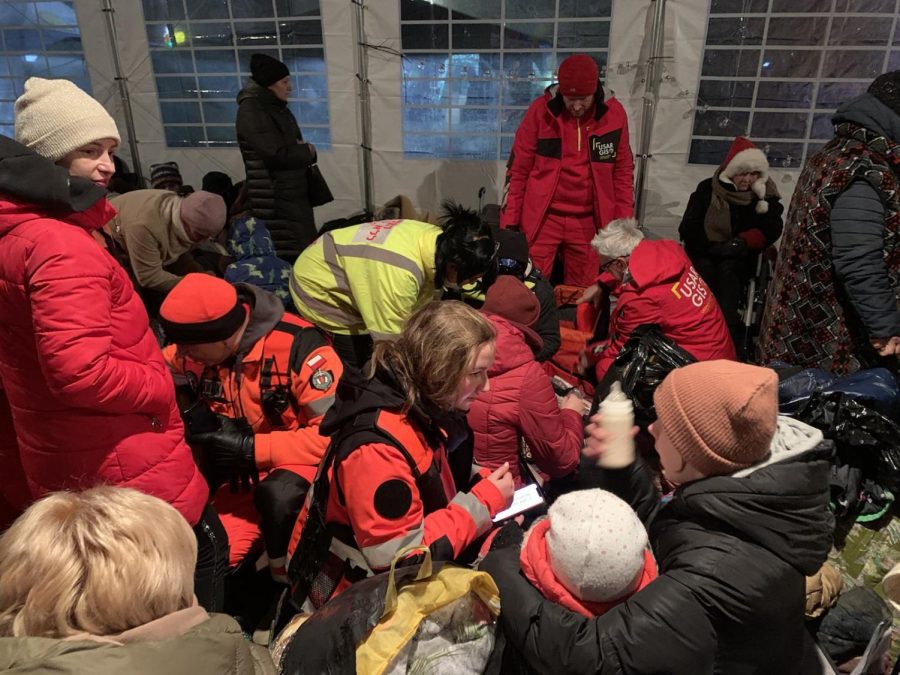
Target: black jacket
[[743, 218], [276, 160], [733, 554]]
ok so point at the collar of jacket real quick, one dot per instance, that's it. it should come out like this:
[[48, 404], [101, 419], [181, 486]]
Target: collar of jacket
[[557, 106]]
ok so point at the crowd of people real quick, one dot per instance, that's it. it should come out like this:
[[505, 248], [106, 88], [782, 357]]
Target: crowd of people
[[214, 417]]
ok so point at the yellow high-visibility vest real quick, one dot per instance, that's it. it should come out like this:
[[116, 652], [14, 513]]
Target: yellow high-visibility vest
[[366, 278]]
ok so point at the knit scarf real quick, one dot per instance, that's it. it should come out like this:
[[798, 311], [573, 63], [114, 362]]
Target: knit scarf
[[535, 562], [717, 222]]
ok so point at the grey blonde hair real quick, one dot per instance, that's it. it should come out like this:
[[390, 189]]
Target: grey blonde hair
[[618, 238], [433, 352], [100, 561]]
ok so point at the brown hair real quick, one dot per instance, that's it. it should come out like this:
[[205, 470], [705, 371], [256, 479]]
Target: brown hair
[[431, 355], [100, 561]]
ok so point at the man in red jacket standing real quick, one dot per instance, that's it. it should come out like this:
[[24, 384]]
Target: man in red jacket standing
[[658, 284], [570, 171]]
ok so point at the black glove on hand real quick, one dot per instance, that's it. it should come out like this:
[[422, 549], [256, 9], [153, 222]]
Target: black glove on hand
[[229, 452], [736, 248]]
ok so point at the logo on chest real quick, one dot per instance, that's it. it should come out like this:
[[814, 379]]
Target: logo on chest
[[603, 148]]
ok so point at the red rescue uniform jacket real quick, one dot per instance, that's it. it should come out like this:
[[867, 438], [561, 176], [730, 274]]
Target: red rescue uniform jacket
[[662, 287], [547, 134]]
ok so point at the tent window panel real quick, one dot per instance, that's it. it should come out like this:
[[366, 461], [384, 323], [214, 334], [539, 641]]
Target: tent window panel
[[739, 6], [584, 8], [425, 36], [833, 94], [510, 119], [800, 6], [863, 31], [56, 13], [23, 40], [730, 62], [221, 136], [784, 95], [528, 35], [211, 35], [319, 136], [478, 75], [422, 10], [310, 112], [310, 86], [255, 33], [7, 110], [218, 86], [871, 6], [476, 9], [427, 66], [475, 121], [735, 31], [894, 61], [853, 64], [583, 35], [300, 32], [300, 60], [428, 146], [17, 14], [180, 113], [245, 54], [779, 125], [474, 92], [219, 112], [176, 87], [163, 10], [704, 151], [795, 63], [473, 147], [8, 90], [172, 62], [168, 35], [822, 126], [69, 66], [252, 9], [530, 9], [784, 155], [298, 8], [215, 61], [426, 119], [207, 9], [68, 40], [476, 36], [721, 123], [8, 130], [797, 30], [184, 137], [522, 93], [726, 93], [425, 92]]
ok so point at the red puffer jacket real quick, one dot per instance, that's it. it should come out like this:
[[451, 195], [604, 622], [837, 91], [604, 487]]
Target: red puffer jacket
[[91, 398], [521, 404], [665, 289]]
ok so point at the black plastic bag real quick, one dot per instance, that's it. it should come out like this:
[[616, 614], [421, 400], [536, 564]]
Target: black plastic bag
[[863, 437], [643, 363]]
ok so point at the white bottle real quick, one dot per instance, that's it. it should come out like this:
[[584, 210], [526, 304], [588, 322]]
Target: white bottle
[[618, 419]]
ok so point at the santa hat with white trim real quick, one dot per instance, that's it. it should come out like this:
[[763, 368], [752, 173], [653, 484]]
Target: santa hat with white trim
[[742, 157]]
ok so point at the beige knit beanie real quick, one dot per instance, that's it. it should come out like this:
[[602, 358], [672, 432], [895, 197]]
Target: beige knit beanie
[[596, 545], [55, 117], [719, 415]]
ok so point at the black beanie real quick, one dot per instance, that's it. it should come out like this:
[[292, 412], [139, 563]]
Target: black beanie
[[266, 71], [886, 88]]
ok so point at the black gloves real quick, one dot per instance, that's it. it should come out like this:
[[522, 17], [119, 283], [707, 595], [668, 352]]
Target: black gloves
[[736, 248], [228, 454]]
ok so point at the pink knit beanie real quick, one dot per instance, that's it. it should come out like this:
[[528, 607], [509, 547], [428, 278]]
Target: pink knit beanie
[[719, 415], [203, 213]]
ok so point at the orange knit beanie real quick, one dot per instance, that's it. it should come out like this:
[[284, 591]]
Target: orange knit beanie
[[719, 415]]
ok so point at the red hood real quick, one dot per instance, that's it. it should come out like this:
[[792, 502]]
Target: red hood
[[13, 213], [512, 350], [653, 263]]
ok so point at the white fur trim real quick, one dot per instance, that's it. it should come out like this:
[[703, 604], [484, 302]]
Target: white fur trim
[[762, 206], [751, 159]]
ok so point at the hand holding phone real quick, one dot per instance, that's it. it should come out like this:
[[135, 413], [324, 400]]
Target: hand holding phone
[[524, 499]]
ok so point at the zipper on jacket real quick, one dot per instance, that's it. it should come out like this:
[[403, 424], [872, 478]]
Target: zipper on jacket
[[578, 123]]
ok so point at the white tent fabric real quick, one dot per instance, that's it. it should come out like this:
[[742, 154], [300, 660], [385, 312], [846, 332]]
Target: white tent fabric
[[426, 181]]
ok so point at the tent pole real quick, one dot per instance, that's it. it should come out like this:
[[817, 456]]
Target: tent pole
[[651, 96], [122, 81], [365, 105]]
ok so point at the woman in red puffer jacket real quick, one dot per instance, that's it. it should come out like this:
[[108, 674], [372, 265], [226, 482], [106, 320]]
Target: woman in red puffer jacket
[[521, 404], [92, 401]]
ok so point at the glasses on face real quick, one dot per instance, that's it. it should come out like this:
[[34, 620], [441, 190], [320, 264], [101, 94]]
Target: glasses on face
[[609, 263]]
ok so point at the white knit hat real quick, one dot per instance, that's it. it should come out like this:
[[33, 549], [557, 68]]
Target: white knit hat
[[55, 117], [596, 545]]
